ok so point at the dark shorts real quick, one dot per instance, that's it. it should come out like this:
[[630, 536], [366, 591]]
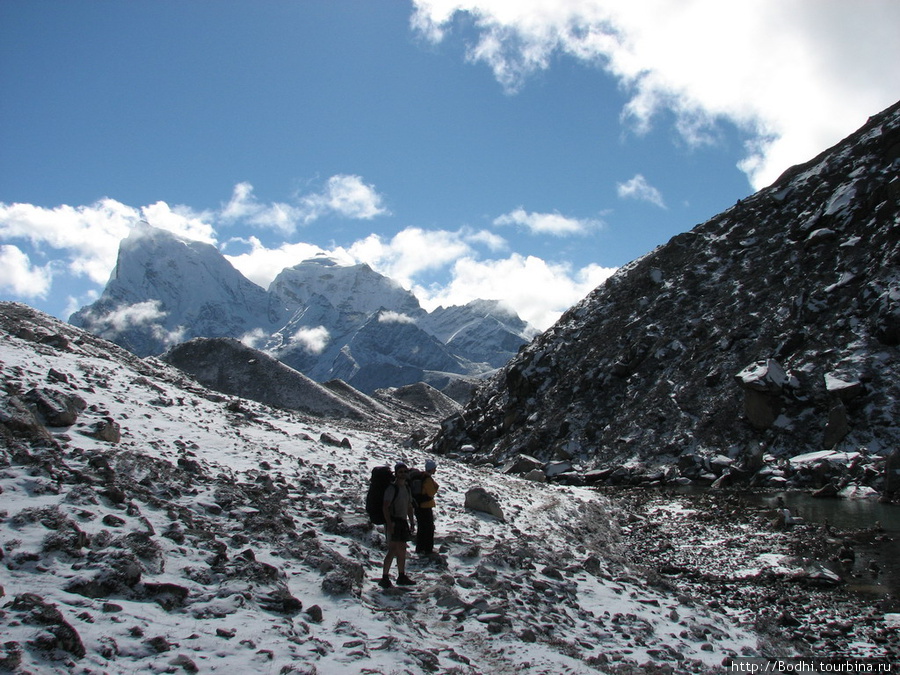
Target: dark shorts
[[401, 530]]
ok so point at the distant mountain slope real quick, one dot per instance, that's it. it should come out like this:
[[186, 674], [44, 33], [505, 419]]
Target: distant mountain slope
[[775, 322], [228, 366], [323, 319]]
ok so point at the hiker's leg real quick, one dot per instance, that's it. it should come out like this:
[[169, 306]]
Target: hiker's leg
[[391, 554], [401, 558], [426, 532]]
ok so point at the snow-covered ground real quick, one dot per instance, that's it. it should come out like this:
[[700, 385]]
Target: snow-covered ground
[[219, 535]]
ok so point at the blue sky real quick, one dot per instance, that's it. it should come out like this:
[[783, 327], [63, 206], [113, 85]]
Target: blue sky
[[511, 149]]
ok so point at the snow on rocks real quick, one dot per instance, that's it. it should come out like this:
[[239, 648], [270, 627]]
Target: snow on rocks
[[218, 533]]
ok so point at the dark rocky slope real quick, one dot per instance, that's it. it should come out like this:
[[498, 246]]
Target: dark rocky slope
[[769, 331]]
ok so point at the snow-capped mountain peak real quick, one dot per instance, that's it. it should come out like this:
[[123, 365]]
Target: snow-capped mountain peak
[[166, 290]]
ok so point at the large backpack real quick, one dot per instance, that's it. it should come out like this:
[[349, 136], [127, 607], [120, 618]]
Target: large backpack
[[382, 477], [416, 480]]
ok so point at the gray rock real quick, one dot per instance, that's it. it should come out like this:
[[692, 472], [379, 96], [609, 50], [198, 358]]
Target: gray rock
[[479, 499]]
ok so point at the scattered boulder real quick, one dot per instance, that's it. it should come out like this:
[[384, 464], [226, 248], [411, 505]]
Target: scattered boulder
[[59, 633], [842, 387], [20, 422], [837, 427], [334, 442], [106, 430], [522, 464], [479, 499], [57, 409]]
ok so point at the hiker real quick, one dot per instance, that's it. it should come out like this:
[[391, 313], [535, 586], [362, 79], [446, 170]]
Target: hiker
[[424, 508], [399, 523]]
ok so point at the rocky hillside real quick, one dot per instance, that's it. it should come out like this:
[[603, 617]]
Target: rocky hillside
[[149, 524], [769, 331]]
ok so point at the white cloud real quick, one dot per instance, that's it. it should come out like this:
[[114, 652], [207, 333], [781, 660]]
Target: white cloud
[[123, 318], [798, 76], [254, 339], [130, 316], [313, 340], [261, 265], [89, 235], [395, 317], [538, 291], [244, 207], [19, 277], [638, 188], [547, 223], [181, 220], [411, 252], [347, 196], [344, 195]]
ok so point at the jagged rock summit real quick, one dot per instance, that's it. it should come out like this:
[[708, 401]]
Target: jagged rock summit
[[769, 331], [165, 289], [322, 318]]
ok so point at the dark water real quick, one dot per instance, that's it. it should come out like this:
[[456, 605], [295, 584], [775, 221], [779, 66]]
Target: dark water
[[850, 515]]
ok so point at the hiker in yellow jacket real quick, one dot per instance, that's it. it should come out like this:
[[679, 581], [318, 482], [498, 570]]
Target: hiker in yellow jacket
[[424, 509]]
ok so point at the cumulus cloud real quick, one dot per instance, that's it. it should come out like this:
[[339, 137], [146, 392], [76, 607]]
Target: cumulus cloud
[[411, 252], [261, 264], [395, 317], [131, 316], [638, 188], [796, 76], [245, 207], [254, 339], [148, 314], [89, 236], [547, 223], [181, 220], [344, 195], [347, 196], [85, 239], [19, 277], [313, 340], [538, 291]]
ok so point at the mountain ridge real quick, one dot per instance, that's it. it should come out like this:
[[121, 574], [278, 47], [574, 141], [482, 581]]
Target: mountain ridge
[[666, 363], [319, 317]]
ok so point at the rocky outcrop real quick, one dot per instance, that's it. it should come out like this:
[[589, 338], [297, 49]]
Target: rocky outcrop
[[772, 323]]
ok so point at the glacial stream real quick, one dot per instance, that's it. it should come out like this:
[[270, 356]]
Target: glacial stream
[[853, 515]]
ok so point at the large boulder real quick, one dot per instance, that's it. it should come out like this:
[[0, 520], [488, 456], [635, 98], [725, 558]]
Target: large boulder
[[762, 383], [57, 408], [479, 499]]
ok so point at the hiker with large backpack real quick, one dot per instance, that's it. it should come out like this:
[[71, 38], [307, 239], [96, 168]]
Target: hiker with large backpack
[[399, 524], [424, 488]]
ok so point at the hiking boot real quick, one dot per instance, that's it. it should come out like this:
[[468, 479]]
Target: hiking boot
[[385, 582], [404, 580]]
